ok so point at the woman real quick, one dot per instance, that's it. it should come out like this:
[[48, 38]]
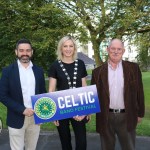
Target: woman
[[65, 73]]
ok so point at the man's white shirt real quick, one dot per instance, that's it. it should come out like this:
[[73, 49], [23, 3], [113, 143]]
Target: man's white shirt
[[116, 86], [27, 80]]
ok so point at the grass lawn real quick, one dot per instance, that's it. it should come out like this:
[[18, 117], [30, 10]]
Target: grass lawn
[[142, 129]]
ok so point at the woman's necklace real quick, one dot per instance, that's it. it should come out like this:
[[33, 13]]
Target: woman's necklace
[[73, 85]]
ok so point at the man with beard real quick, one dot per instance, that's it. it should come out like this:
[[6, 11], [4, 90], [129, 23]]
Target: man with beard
[[18, 83]]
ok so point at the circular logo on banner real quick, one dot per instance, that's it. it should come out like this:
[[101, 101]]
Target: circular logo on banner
[[45, 108]]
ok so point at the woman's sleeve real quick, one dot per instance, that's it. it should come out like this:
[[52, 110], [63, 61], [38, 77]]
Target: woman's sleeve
[[52, 72], [84, 72]]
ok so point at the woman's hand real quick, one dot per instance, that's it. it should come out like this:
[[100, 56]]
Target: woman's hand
[[79, 118], [56, 123], [88, 117]]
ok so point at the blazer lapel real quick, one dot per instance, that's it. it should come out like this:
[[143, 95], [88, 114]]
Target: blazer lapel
[[17, 78], [126, 73], [35, 71], [104, 77]]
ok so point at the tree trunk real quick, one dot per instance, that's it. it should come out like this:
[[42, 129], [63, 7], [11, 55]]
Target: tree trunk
[[97, 57]]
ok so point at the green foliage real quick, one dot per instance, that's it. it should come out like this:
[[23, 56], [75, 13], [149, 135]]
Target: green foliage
[[143, 44], [45, 21], [144, 127], [40, 21]]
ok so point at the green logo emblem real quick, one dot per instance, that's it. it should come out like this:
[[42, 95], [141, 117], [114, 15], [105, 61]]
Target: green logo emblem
[[45, 108]]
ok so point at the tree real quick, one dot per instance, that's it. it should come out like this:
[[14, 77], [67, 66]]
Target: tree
[[38, 20], [107, 19], [143, 45]]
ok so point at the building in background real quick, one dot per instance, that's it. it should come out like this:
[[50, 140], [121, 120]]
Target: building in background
[[89, 62], [130, 52]]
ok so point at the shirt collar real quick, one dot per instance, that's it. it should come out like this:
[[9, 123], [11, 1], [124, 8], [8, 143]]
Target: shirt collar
[[20, 65], [118, 65]]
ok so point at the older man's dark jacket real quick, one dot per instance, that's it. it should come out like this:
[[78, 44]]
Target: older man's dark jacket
[[133, 94]]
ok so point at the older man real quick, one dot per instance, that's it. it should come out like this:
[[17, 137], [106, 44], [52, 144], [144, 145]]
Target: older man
[[120, 91]]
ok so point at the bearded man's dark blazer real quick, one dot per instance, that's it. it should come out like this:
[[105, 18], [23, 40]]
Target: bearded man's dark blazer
[[11, 93], [133, 94]]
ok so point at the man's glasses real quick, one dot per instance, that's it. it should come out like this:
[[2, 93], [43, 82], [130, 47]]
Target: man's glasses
[[118, 50]]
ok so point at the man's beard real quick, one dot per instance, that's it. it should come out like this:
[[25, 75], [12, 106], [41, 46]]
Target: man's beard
[[24, 58]]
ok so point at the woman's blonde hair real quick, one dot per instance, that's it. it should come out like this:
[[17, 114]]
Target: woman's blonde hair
[[60, 44]]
